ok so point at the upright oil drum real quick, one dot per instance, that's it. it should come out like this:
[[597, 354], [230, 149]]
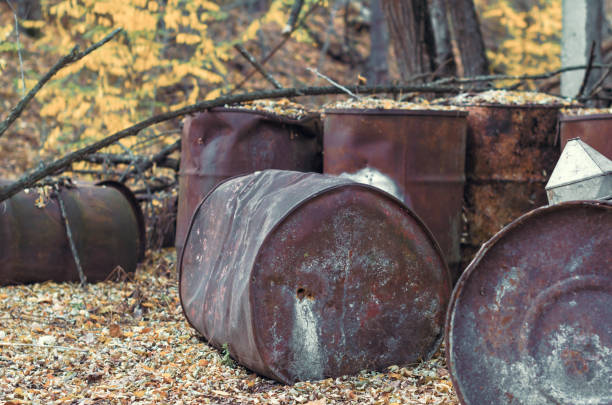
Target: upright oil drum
[[511, 152], [530, 320], [107, 228], [226, 142], [417, 155], [306, 276], [594, 129]]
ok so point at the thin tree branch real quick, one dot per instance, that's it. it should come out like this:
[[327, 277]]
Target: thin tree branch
[[587, 73], [332, 82], [72, 57], [73, 249], [247, 55], [29, 179], [293, 16], [277, 47], [491, 78]]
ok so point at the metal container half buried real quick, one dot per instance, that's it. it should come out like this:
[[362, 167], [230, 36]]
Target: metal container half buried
[[226, 142], [106, 224], [530, 320], [595, 130], [307, 276], [416, 155], [511, 151]]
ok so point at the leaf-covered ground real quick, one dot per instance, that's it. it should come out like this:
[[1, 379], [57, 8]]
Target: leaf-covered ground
[[126, 341]]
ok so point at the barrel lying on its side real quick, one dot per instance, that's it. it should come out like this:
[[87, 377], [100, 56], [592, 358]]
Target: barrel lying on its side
[[307, 276], [106, 224], [530, 321]]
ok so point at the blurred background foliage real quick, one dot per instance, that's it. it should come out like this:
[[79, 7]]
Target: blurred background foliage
[[175, 52]]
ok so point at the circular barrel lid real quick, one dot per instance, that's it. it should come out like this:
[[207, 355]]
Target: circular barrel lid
[[530, 320]]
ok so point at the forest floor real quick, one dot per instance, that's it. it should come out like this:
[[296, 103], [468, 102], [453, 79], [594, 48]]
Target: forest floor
[[127, 341]]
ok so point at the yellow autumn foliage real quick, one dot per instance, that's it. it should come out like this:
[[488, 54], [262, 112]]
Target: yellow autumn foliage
[[166, 47], [528, 41]]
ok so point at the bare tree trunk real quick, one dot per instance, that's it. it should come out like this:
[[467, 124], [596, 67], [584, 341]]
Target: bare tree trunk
[[443, 56], [378, 71], [582, 21], [468, 37], [408, 24]]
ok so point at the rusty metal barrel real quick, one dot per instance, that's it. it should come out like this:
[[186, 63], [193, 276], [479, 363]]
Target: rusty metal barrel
[[306, 276], [107, 228], [511, 152], [595, 130], [530, 320], [226, 142], [417, 155]]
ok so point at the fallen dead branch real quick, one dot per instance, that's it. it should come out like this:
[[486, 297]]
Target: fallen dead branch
[[57, 166], [66, 60]]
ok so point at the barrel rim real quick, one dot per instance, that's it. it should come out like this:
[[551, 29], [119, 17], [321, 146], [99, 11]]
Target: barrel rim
[[311, 116], [395, 111], [129, 195], [488, 245], [516, 106], [589, 117]]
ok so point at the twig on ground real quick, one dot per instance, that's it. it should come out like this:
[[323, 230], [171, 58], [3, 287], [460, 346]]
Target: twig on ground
[[60, 164], [247, 55], [72, 57], [338, 85]]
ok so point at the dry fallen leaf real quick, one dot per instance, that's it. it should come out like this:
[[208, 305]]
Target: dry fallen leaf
[[115, 331]]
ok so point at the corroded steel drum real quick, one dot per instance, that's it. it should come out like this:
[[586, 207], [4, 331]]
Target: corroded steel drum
[[595, 130], [420, 153], [107, 228], [223, 143], [530, 320], [511, 152], [307, 276]]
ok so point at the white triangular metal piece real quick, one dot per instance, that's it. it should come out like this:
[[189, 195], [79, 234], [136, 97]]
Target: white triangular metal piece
[[578, 161]]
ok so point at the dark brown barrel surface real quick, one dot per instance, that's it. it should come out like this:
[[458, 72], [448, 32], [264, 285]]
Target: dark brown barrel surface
[[421, 152], [224, 143], [106, 224], [595, 130], [307, 276], [530, 321], [511, 152]]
